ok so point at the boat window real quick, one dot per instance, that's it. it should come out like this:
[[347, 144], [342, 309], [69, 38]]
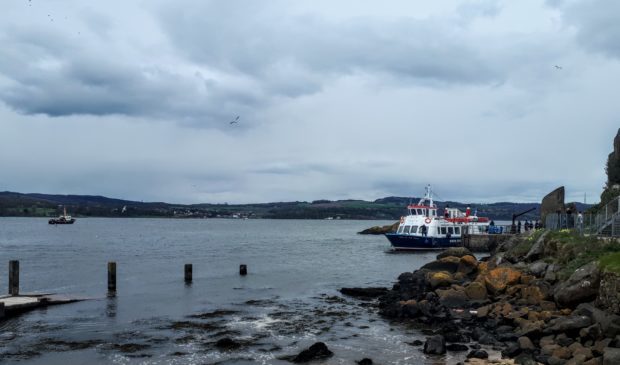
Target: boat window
[[451, 230], [414, 229], [400, 229], [433, 212], [438, 230], [406, 231], [443, 230], [457, 230]]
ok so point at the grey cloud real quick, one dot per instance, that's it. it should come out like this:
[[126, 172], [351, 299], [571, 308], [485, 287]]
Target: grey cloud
[[596, 22], [262, 41]]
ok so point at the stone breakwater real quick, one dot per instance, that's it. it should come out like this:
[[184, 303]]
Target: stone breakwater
[[513, 302]]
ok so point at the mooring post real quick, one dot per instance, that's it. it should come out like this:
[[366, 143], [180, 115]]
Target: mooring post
[[188, 273], [112, 276], [243, 269], [1, 309], [13, 277]]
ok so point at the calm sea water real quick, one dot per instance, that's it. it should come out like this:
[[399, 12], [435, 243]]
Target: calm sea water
[[288, 301]]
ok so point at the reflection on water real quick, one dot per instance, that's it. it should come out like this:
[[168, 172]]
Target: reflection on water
[[288, 300]]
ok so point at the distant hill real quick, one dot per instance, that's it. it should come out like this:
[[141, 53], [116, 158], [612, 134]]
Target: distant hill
[[389, 208]]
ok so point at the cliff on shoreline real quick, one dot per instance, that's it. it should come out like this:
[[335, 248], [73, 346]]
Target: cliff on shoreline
[[548, 298]]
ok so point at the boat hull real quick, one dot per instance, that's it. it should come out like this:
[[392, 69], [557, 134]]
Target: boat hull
[[408, 242], [57, 221]]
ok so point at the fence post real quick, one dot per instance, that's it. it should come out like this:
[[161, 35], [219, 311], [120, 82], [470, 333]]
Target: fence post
[[14, 277], [243, 270]]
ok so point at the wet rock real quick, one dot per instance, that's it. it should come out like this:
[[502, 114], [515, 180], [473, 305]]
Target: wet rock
[[449, 264], [582, 286], [611, 356], [364, 292], [525, 359], [478, 354], [498, 279], [365, 361], [455, 336], [610, 323], [454, 251], [315, 352], [435, 345], [227, 343], [417, 343], [409, 309], [130, 347], [457, 347]]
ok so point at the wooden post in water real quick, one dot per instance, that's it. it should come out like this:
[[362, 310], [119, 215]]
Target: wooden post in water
[[13, 277], [243, 269], [1, 309], [188, 273], [112, 277]]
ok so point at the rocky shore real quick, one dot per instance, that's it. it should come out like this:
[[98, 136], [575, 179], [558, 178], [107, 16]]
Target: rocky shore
[[545, 298]]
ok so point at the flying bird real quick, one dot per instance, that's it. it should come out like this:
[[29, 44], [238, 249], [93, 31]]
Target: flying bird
[[235, 121], [558, 67]]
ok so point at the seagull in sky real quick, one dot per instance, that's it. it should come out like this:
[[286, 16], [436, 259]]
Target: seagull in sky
[[235, 121], [558, 67]]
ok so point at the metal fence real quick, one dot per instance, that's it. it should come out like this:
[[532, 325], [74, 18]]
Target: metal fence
[[606, 222]]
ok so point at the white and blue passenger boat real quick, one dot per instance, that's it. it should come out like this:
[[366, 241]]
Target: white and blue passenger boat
[[424, 229]]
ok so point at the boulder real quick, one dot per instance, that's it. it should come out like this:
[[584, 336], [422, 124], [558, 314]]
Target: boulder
[[365, 361], [476, 291], [435, 345], [609, 323], [568, 324], [467, 265], [611, 356], [538, 268], [449, 264], [227, 344], [594, 361], [478, 354], [454, 251], [582, 286], [537, 250], [525, 343], [315, 352], [452, 298], [537, 292], [499, 278], [457, 347], [439, 279]]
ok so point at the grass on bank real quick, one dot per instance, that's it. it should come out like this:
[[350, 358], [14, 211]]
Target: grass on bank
[[573, 251]]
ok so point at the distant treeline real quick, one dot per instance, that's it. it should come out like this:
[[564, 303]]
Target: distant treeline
[[390, 208]]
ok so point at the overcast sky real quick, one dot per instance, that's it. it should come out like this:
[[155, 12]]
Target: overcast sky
[[343, 99]]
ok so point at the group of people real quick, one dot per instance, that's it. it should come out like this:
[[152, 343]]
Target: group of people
[[527, 226]]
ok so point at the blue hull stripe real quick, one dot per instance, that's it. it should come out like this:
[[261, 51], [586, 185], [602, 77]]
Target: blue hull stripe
[[407, 242]]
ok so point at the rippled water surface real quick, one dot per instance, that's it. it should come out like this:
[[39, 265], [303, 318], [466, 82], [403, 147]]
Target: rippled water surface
[[288, 301]]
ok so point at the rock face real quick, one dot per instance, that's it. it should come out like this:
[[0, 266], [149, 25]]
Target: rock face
[[551, 203], [582, 286], [613, 163]]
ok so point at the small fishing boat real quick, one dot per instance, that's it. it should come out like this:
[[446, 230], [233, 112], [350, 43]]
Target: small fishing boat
[[424, 229], [63, 219]]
